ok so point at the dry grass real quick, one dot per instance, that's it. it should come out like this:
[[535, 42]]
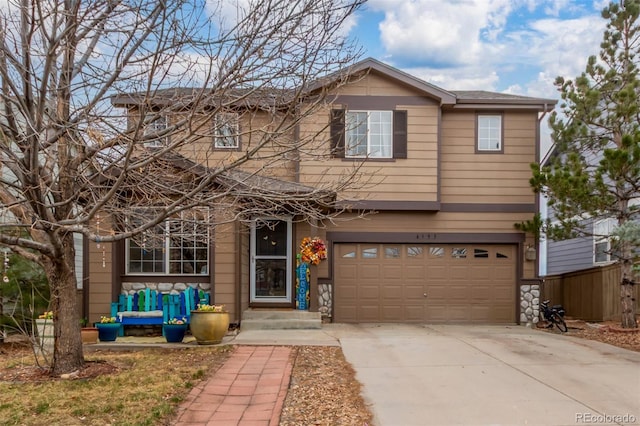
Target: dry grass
[[145, 388]]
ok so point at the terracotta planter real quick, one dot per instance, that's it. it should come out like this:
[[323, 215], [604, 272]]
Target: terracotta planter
[[108, 332], [174, 333], [89, 335], [209, 327]]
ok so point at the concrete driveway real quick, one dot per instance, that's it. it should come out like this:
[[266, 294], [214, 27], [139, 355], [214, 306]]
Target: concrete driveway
[[498, 375]]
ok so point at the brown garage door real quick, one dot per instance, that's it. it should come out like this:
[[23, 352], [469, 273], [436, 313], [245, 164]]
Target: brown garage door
[[425, 283]]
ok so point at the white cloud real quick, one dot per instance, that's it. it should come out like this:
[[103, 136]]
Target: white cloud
[[520, 45]]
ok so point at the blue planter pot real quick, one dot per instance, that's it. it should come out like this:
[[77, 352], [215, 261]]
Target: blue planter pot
[[174, 333], [108, 332]]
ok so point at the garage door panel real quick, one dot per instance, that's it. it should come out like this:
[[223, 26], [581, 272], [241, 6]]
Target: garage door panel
[[392, 272], [391, 292], [367, 291], [369, 313], [393, 313], [413, 272], [371, 271], [459, 272], [414, 313], [346, 272], [463, 283], [414, 292]]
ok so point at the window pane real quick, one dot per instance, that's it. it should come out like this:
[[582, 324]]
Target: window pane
[[459, 253], [414, 251], [271, 239], [436, 251], [370, 253], [392, 252], [489, 132], [152, 129], [369, 134], [271, 277], [178, 246], [226, 130], [480, 253]]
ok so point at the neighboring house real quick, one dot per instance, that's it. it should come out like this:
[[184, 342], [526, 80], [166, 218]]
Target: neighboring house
[[451, 174]]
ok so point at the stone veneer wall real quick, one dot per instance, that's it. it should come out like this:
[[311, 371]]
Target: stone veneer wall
[[170, 288], [325, 299], [529, 304]]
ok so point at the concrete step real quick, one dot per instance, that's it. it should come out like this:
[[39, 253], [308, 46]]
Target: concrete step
[[268, 319]]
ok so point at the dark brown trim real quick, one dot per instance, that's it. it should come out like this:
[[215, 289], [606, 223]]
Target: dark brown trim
[[263, 305], [381, 102], [484, 151], [426, 237], [391, 205], [538, 154], [439, 158], [381, 205], [166, 278], [519, 273], [487, 208], [212, 265], [117, 269]]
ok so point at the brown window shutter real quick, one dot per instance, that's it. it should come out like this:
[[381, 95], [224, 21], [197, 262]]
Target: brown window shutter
[[337, 133], [399, 134]]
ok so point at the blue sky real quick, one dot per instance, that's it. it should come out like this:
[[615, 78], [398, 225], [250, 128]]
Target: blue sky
[[512, 46]]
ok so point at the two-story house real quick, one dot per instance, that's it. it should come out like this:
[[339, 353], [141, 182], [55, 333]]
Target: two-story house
[[448, 175]]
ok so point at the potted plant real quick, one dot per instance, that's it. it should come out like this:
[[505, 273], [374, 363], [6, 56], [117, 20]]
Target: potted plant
[[174, 329], [209, 324], [89, 334], [108, 329]]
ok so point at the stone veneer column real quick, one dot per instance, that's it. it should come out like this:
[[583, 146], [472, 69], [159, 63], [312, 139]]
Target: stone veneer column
[[529, 304]]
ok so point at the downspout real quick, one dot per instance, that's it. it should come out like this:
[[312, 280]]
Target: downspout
[[537, 200]]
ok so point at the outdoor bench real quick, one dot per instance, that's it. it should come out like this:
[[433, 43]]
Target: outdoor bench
[[151, 307]]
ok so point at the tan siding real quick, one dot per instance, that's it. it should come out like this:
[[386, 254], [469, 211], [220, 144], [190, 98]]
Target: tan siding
[[411, 179], [470, 177], [443, 222], [225, 269], [376, 85], [99, 281]]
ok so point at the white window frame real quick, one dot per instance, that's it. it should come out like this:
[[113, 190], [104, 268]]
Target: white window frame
[[602, 230], [489, 138], [380, 129], [157, 125], [226, 131], [165, 249]]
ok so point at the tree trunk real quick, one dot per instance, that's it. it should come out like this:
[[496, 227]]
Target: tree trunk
[[67, 352], [628, 304]]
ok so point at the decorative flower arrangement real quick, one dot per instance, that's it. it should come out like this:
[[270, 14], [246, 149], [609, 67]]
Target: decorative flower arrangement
[[107, 320], [176, 321], [46, 315], [210, 308], [313, 250]]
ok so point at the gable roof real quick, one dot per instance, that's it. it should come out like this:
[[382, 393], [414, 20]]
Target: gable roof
[[477, 99]]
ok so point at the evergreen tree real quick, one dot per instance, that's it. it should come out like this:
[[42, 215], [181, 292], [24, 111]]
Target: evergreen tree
[[594, 173]]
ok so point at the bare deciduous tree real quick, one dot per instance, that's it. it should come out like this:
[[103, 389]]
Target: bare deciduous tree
[[110, 106]]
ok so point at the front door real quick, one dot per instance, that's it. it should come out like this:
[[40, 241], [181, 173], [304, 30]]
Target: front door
[[271, 261]]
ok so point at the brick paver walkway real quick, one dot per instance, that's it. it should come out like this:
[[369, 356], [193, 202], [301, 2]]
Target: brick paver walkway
[[248, 390]]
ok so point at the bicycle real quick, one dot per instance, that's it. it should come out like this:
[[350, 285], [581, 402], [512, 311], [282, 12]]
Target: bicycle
[[553, 315]]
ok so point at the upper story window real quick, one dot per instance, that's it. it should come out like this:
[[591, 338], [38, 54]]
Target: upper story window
[[226, 131], [155, 132], [368, 134], [602, 230], [178, 246], [489, 132]]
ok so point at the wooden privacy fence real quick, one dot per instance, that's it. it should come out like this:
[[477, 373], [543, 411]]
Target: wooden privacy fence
[[591, 294]]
